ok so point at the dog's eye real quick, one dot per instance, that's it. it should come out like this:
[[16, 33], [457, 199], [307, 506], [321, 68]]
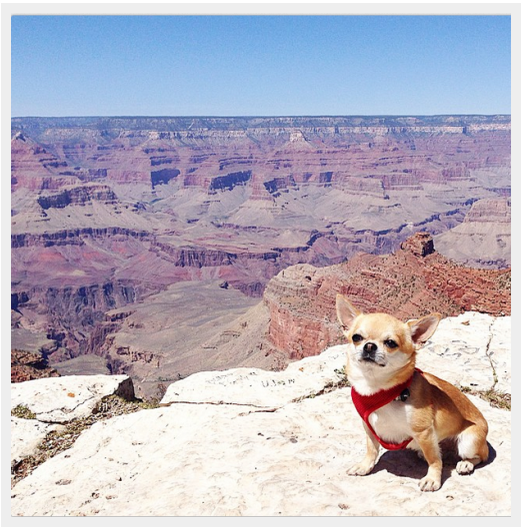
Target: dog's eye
[[356, 338], [390, 343]]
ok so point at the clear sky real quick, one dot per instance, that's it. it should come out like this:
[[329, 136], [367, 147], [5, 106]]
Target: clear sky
[[260, 65]]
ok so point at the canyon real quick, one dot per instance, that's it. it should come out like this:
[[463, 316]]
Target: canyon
[[132, 230]]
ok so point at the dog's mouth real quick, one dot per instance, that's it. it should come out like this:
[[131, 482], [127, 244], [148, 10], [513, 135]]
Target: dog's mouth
[[370, 358]]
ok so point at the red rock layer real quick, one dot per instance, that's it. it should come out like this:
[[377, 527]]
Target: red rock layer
[[29, 366], [409, 283]]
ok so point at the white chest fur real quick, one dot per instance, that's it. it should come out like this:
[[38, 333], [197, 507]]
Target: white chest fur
[[391, 422]]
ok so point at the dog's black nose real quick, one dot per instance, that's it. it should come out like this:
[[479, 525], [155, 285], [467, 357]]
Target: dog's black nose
[[370, 348]]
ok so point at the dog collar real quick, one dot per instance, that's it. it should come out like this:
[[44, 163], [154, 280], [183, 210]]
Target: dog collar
[[367, 404]]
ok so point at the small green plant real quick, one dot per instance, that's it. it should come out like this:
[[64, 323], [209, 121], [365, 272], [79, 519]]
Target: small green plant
[[343, 382], [493, 397], [22, 412], [329, 387], [62, 439]]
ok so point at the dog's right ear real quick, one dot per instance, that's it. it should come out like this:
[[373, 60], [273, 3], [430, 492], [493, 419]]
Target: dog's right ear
[[346, 312]]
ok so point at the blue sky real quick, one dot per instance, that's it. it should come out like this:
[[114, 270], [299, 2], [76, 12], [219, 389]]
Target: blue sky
[[259, 65]]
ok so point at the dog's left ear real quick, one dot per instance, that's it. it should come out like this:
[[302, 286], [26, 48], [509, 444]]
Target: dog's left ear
[[346, 312], [422, 329]]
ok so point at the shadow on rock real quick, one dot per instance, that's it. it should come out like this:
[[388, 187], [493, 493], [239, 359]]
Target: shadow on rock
[[407, 463], [403, 463]]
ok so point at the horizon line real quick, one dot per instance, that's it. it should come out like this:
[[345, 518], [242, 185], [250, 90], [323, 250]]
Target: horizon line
[[406, 115]]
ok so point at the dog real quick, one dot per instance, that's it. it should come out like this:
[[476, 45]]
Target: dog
[[401, 406]]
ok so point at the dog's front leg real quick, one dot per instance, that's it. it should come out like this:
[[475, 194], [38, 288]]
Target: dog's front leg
[[429, 444], [372, 452]]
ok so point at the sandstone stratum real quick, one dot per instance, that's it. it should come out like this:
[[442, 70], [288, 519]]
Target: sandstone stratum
[[249, 442], [123, 228], [412, 282], [295, 319]]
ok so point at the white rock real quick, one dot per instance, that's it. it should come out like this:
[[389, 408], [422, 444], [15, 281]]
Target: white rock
[[463, 348], [206, 460], [205, 455], [500, 352], [69, 397], [26, 435], [258, 387]]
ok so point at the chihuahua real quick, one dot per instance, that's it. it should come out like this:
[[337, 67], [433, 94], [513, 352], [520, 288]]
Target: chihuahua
[[401, 406]]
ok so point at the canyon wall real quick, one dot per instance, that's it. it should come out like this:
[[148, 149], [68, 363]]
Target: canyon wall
[[413, 281], [107, 212]]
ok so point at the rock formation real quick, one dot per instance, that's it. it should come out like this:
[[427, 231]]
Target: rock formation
[[107, 212], [413, 281], [174, 333], [247, 442], [483, 239], [29, 366]]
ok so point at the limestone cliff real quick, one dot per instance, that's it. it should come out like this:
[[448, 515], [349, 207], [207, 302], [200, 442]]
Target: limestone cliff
[[247, 442]]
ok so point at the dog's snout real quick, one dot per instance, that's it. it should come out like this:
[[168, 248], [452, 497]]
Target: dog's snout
[[370, 348], [371, 353]]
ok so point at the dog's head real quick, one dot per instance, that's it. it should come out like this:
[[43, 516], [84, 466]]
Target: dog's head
[[381, 348]]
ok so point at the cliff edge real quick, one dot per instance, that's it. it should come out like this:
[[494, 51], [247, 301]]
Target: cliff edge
[[248, 442]]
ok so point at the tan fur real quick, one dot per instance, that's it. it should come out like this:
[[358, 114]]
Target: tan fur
[[435, 410]]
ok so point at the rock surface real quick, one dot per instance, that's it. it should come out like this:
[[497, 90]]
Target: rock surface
[[26, 435], [260, 388], [51, 406], [69, 397], [411, 282], [483, 239], [456, 353], [29, 366], [252, 443]]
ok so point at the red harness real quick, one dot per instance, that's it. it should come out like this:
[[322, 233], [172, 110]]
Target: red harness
[[367, 404]]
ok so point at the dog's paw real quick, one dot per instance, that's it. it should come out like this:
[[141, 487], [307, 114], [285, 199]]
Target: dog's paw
[[465, 467], [429, 484], [360, 469]]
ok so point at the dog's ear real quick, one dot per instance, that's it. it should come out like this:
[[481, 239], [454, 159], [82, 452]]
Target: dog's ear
[[422, 329], [346, 311]]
